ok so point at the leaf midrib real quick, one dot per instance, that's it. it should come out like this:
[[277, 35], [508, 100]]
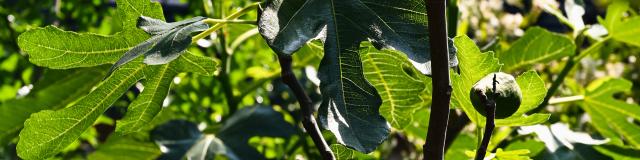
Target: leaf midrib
[[129, 76]]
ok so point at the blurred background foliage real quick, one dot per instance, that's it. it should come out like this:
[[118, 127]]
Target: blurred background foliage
[[198, 110]]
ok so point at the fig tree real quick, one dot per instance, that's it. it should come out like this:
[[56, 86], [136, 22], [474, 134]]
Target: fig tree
[[507, 95]]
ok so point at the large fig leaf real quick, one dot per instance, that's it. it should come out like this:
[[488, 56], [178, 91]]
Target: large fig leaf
[[350, 104]]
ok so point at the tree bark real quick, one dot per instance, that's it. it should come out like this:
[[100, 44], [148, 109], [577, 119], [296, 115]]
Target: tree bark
[[436, 135]]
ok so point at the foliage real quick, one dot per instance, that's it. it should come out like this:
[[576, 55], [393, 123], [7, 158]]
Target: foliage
[[201, 79]]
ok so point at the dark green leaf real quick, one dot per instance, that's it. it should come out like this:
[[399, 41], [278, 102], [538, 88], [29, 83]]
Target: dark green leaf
[[57, 89], [177, 136], [249, 122], [125, 148]]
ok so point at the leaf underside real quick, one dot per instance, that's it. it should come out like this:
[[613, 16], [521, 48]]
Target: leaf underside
[[350, 104]]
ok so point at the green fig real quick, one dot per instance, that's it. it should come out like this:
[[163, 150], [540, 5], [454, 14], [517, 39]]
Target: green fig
[[507, 95]]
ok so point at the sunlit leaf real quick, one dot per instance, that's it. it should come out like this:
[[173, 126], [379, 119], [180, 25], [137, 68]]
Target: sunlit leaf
[[536, 46], [610, 116], [473, 66], [390, 73], [48, 132]]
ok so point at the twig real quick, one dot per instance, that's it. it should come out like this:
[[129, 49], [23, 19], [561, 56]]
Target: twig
[[306, 107], [220, 25], [437, 132], [490, 109]]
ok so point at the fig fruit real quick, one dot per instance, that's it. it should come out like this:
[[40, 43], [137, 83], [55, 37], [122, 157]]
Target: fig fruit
[[507, 95]]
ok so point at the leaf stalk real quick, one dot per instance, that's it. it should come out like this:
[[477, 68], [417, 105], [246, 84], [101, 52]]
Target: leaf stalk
[[306, 106]]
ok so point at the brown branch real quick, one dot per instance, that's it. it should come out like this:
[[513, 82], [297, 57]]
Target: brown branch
[[306, 106], [437, 132]]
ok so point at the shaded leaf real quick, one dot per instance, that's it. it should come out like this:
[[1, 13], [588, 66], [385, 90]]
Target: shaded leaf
[[536, 46], [177, 136], [125, 148], [619, 152], [57, 89], [249, 122]]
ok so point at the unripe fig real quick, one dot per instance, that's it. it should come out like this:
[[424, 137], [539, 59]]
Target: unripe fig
[[507, 95]]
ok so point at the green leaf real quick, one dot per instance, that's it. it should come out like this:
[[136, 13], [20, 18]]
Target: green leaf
[[390, 72], [536, 46], [48, 132], [169, 40], [610, 116], [628, 31], [343, 153], [473, 66], [348, 99], [401, 25], [177, 136], [125, 148], [250, 122], [232, 140], [58, 49], [57, 89], [614, 15], [619, 152]]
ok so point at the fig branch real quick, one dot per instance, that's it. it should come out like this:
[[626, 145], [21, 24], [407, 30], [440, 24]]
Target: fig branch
[[490, 110], [437, 131], [306, 107]]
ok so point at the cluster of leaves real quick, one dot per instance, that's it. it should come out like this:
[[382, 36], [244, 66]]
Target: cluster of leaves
[[368, 72]]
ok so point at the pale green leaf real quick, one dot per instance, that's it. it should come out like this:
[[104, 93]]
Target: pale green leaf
[[387, 71], [614, 15], [628, 31], [610, 116], [533, 91], [474, 65], [343, 153], [536, 46]]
